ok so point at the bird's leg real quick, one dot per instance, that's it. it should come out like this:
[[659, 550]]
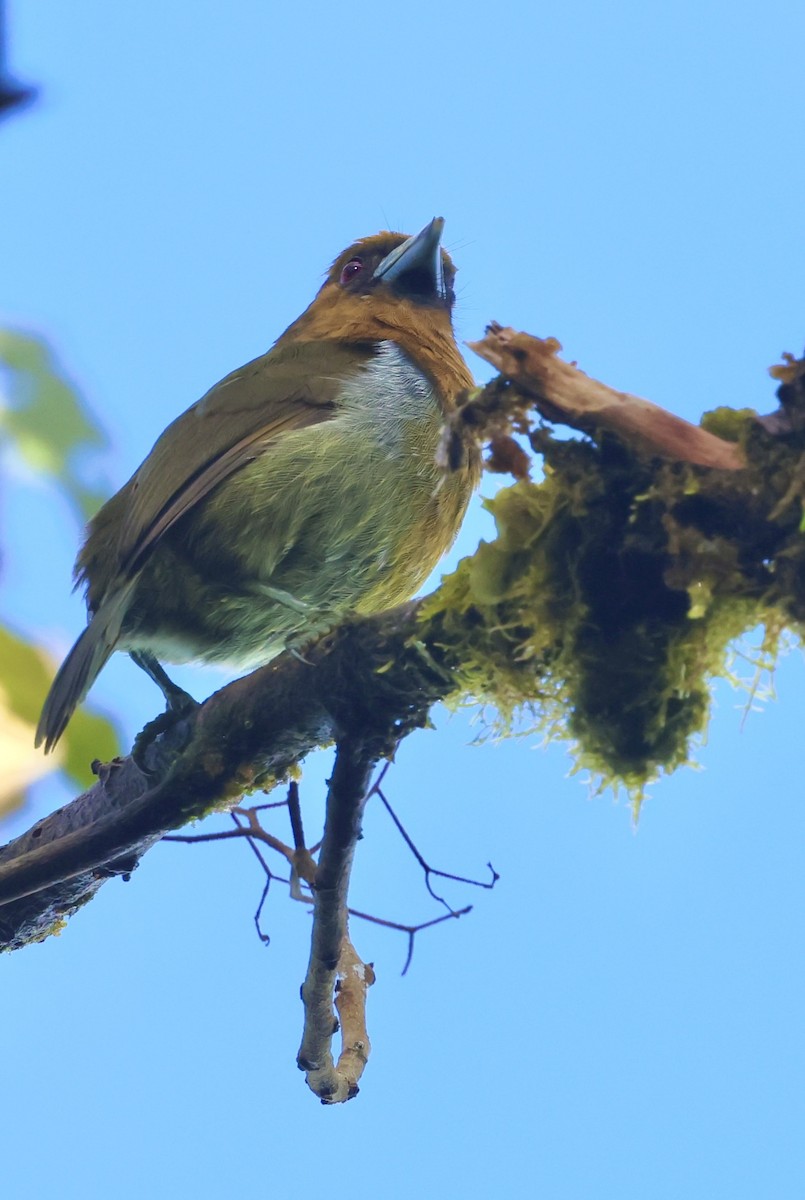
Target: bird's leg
[[179, 704], [176, 698]]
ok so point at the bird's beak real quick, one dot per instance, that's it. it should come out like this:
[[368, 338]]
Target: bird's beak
[[421, 253]]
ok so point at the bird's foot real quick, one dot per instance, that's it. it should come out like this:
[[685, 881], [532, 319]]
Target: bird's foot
[[147, 754]]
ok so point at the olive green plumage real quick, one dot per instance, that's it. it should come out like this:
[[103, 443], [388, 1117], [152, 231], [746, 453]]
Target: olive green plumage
[[300, 488]]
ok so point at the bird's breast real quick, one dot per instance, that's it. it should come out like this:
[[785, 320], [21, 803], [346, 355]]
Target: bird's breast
[[390, 399]]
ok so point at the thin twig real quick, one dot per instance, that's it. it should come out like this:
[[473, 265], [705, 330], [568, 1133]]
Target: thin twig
[[222, 836], [295, 813], [398, 926], [411, 930], [303, 866], [265, 938], [426, 867], [258, 854], [253, 832]]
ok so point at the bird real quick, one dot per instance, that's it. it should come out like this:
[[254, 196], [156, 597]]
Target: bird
[[303, 487]]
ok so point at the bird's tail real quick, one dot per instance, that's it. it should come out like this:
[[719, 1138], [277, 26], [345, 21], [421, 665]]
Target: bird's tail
[[80, 668]]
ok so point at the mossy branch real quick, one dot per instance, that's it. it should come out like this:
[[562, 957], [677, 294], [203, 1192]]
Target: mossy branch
[[616, 585]]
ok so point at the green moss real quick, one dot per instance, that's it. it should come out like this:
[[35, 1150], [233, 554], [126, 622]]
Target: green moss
[[609, 600]]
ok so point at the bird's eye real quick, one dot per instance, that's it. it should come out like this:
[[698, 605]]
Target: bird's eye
[[351, 270]]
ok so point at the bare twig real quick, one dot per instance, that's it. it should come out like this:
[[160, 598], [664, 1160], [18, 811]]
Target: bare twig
[[295, 813], [426, 867], [255, 849], [415, 929], [411, 930], [258, 854], [332, 955], [303, 864], [221, 835], [309, 877], [252, 832], [561, 392], [265, 938]]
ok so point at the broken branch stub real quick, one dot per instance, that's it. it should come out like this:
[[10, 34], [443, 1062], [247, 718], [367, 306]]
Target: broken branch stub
[[563, 393]]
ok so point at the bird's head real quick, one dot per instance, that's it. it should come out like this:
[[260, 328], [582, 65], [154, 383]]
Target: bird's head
[[391, 287], [394, 268]]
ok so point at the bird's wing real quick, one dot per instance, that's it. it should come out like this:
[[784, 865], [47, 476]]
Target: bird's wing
[[291, 387]]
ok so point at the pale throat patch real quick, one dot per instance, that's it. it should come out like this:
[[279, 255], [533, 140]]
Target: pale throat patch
[[400, 393]]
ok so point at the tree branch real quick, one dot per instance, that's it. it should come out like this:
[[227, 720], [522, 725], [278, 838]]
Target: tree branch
[[562, 393], [332, 955]]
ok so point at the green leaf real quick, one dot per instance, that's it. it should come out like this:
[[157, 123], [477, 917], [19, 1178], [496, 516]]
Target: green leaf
[[89, 736], [47, 422], [25, 676]]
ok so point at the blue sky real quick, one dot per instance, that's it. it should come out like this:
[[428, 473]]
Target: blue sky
[[622, 1015]]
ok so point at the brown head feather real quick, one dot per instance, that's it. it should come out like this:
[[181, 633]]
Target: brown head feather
[[422, 328]]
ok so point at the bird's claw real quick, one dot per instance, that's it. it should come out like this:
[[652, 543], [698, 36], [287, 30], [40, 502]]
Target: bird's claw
[[144, 751]]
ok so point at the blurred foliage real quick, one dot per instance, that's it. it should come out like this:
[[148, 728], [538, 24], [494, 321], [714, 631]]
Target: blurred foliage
[[44, 423], [617, 586], [25, 677], [45, 420]]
